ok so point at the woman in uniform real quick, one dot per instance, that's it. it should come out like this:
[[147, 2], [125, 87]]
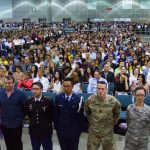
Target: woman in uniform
[[138, 122]]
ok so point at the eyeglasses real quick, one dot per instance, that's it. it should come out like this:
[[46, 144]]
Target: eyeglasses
[[67, 86], [140, 95], [35, 88]]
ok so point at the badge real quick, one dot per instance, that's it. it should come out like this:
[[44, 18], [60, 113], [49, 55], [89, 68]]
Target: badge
[[44, 108]]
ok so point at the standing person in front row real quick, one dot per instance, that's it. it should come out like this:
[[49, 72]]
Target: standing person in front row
[[40, 110], [103, 112], [138, 122], [12, 114], [68, 120]]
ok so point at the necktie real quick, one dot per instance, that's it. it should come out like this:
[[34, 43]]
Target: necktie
[[67, 99]]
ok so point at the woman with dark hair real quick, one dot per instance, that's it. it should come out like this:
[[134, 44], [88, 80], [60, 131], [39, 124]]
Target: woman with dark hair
[[66, 70], [88, 74], [52, 67], [133, 65], [18, 74], [141, 80], [65, 58], [121, 86], [48, 74], [56, 83], [133, 78], [34, 70]]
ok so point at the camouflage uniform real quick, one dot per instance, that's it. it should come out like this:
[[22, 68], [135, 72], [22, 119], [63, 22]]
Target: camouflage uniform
[[101, 116], [138, 122]]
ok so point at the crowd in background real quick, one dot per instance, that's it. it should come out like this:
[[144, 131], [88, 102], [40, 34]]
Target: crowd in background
[[114, 53]]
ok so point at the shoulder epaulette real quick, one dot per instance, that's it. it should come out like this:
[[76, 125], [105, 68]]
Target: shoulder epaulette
[[30, 97]]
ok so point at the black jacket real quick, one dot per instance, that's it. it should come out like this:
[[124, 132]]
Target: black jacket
[[41, 115], [110, 77]]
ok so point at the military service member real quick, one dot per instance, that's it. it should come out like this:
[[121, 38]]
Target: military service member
[[138, 122], [103, 112], [69, 113], [40, 110]]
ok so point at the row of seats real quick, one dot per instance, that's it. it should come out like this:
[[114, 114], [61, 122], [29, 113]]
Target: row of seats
[[125, 100]]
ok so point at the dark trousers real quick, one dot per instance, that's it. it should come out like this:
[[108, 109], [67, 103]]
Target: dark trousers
[[68, 144], [46, 143], [12, 137]]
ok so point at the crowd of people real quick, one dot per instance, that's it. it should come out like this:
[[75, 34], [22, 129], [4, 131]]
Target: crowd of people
[[50, 60], [120, 56]]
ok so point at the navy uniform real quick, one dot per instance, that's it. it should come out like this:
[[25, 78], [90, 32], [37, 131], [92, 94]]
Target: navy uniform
[[41, 115], [69, 115]]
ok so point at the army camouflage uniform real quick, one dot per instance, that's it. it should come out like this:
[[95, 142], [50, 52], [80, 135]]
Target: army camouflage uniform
[[138, 122], [101, 116]]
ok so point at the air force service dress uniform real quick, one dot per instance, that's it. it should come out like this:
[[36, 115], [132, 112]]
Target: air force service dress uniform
[[41, 115], [69, 115]]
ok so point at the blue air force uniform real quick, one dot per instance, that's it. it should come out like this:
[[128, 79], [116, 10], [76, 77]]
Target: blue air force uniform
[[68, 120]]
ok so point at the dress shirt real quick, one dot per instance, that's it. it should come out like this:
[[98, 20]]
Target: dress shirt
[[92, 86], [38, 98], [68, 97], [44, 81]]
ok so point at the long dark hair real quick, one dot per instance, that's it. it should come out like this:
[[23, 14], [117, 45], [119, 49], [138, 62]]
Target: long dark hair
[[60, 76], [36, 70]]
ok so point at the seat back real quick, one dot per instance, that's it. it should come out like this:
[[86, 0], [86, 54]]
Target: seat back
[[84, 87], [147, 100], [125, 100]]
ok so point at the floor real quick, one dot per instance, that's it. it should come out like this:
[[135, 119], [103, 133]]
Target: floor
[[119, 144]]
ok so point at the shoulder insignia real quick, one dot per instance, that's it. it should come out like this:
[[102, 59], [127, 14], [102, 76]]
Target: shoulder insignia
[[30, 97]]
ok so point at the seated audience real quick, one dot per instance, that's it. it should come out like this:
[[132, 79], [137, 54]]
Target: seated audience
[[26, 82], [93, 82]]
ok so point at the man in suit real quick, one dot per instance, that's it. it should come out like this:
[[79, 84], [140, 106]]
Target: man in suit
[[108, 75], [40, 110], [68, 117]]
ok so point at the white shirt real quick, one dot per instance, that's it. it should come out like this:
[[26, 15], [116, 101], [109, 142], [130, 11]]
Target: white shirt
[[68, 96], [57, 87], [132, 79], [148, 78], [76, 88], [38, 98], [44, 81], [147, 53]]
